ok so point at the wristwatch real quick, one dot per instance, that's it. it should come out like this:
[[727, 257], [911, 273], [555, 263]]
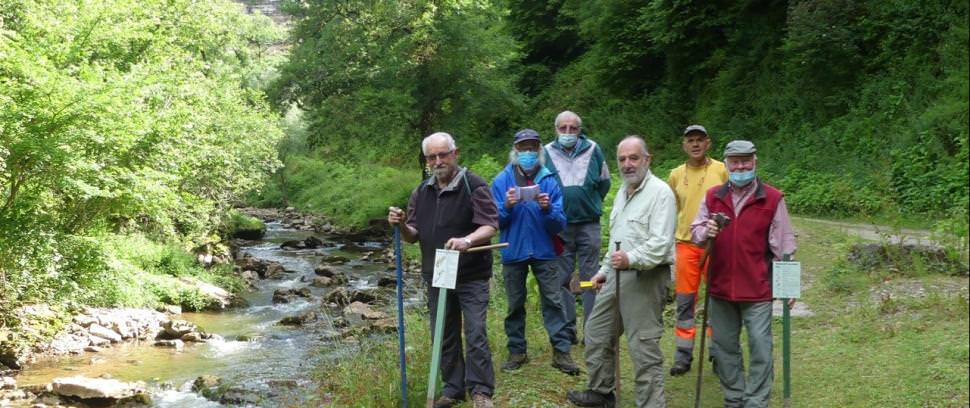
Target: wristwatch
[[467, 242]]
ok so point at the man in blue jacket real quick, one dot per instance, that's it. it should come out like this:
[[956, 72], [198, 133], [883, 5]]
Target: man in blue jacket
[[530, 215]]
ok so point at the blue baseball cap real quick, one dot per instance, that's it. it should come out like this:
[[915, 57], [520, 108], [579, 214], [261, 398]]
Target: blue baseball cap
[[526, 134]]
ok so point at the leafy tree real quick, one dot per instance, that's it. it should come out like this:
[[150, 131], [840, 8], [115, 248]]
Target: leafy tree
[[388, 73]]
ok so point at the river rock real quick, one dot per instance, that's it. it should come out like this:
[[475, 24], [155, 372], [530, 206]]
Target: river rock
[[84, 320], [386, 325], [93, 349], [175, 329], [97, 341], [98, 330], [325, 270], [312, 242], [299, 320], [87, 388], [207, 386], [274, 271], [67, 342], [176, 344], [8, 383], [193, 337], [206, 381], [240, 397], [292, 244], [356, 313], [170, 309], [218, 298], [288, 295], [387, 281], [322, 282], [362, 296], [338, 296], [334, 260]]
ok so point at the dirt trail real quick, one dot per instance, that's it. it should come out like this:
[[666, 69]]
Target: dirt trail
[[874, 232]]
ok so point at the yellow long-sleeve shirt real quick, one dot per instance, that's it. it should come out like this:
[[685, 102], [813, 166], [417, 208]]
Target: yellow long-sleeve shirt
[[689, 184]]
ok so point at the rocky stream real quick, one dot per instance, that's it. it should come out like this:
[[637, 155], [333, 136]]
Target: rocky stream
[[314, 295]]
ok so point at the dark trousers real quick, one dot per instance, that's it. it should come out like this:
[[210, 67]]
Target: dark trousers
[[465, 312], [553, 316], [581, 250]]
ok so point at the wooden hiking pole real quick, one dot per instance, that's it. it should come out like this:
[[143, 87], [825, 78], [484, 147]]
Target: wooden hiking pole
[[722, 221], [618, 326]]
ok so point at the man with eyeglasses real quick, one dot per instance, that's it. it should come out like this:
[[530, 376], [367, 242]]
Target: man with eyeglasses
[[530, 215], [453, 209], [690, 181], [580, 167]]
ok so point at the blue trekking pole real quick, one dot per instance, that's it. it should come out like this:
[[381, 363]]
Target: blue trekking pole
[[400, 316]]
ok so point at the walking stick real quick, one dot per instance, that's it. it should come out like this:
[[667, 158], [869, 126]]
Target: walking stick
[[400, 316], [722, 221], [618, 323]]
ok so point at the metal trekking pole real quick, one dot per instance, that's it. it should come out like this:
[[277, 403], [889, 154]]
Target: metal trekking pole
[[618, 326], [722, 221], [400, 316]]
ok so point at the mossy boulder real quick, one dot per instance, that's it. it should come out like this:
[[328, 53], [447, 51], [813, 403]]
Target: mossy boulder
[[245, 226]]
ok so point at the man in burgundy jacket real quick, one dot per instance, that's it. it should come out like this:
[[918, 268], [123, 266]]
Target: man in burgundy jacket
[[739, 278]]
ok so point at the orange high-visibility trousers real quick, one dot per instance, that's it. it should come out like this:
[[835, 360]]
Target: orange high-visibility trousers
[[688, 279]]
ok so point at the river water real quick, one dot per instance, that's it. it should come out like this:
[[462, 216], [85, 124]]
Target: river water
[[258, 354]]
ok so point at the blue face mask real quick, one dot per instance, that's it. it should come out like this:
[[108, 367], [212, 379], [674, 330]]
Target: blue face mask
[[528, 160], [741, 178], [568, 140]]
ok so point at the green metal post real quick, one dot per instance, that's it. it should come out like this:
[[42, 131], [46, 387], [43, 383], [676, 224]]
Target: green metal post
[[786, 352], [439, 328]]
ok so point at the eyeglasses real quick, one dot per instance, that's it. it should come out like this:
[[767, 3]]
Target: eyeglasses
[[568, 128], [438, 156]]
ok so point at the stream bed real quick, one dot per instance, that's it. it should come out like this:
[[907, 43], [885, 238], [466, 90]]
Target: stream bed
[[257, 356]]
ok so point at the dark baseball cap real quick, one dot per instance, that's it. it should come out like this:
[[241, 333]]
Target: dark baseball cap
[[695, 128], [526, 134]]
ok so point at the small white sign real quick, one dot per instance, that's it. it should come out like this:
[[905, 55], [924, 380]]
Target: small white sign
[[787, 280], [445, 268]]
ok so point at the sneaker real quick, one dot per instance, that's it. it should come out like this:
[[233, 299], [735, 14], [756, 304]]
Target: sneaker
[[481, 401], [515, 362], [679, 368], [590, 398], [446, 402], [564, 362]]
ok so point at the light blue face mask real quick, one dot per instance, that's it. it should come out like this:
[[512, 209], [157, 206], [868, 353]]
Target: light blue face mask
[[528, 160], [568, 140], [741, 178]]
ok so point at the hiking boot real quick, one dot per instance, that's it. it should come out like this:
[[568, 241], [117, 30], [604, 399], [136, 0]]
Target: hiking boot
[[564, 362], [446, 402], [481, 401], [515, 362], [679, 368], [590, 398]]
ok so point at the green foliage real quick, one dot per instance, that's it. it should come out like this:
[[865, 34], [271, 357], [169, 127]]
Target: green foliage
[[375, 77], [244, 226], [351, 195], [121, 117]]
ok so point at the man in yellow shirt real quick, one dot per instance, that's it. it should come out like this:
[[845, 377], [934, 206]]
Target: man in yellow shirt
[[690, 181]]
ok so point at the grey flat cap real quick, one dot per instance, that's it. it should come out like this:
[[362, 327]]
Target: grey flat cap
[[695, 128], [739, 148]]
